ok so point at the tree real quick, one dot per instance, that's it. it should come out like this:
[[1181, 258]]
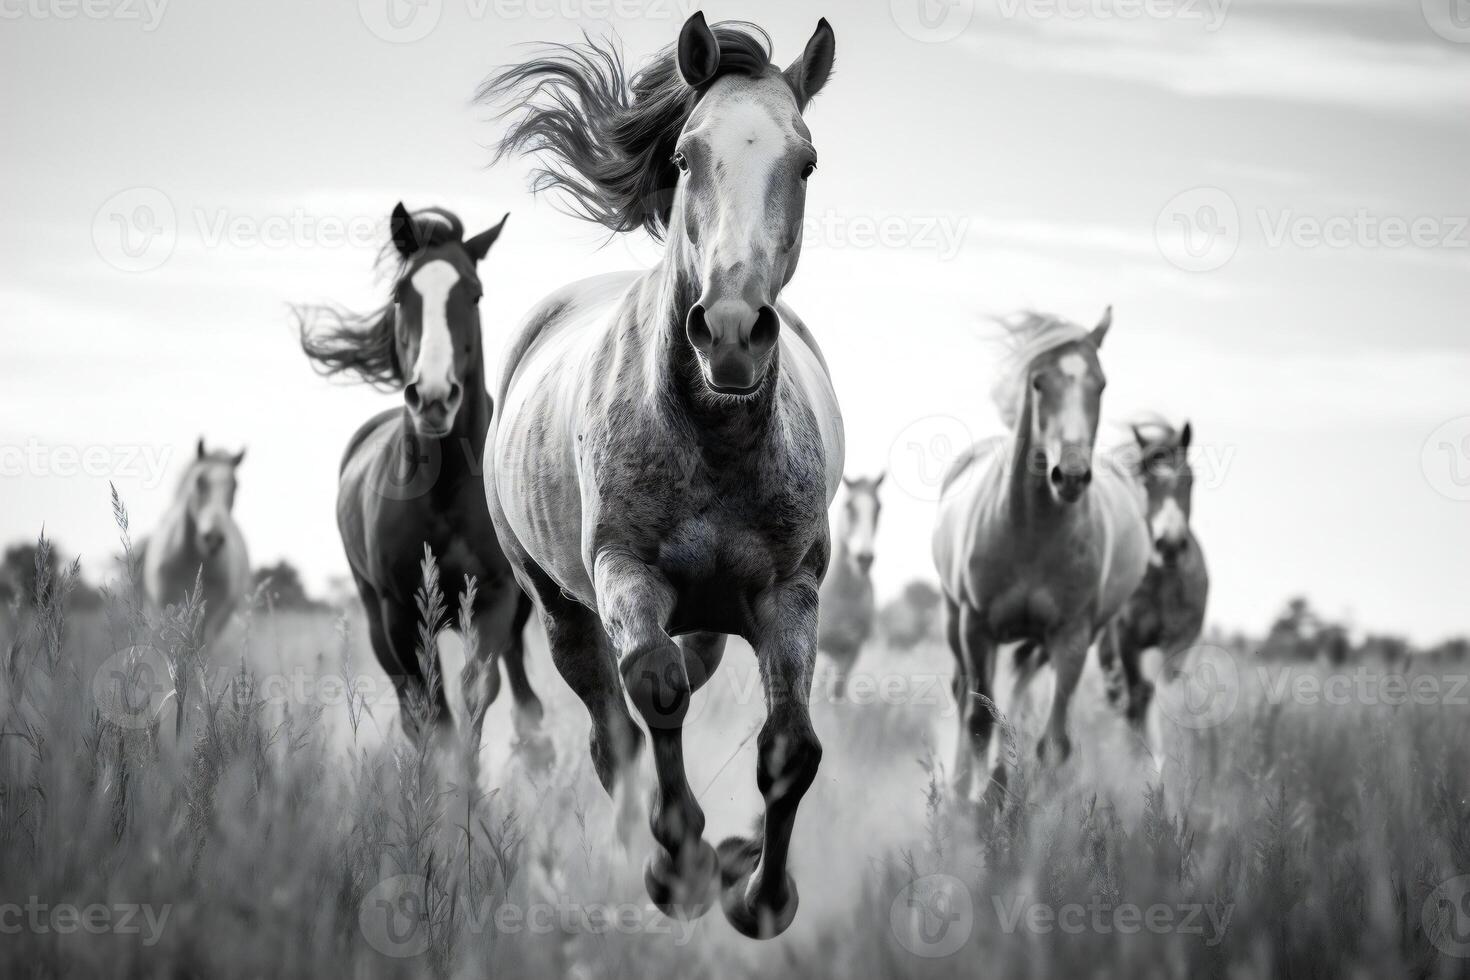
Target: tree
[[20, 573], [283, 584]]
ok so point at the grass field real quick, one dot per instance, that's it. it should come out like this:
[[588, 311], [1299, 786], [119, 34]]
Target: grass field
[[276, 827]]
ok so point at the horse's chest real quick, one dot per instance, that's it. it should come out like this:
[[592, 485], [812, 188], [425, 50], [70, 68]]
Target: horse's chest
[[1031, 595]]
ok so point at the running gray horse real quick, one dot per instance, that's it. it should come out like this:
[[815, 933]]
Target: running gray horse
[[847, 609], [668, 443], [1031, 544]]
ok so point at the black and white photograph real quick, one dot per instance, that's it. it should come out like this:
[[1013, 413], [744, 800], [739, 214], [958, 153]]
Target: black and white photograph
[[606, 489]]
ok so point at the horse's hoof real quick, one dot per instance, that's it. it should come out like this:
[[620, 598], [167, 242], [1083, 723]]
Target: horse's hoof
[[738, 860], [682, 896]]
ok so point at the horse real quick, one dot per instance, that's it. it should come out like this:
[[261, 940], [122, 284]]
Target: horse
[[847, 607], [1167, 610], [198, 541], [669, 442], [1031, 544], [410, 476]]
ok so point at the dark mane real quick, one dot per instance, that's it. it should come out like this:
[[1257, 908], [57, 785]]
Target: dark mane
[[339, 341], [607, 140]]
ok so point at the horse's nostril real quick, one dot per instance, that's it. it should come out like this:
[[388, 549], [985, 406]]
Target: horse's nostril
[[698, 330], [1087, 476], [411, 397], [455, 393], [767, 328], [1056, 475]]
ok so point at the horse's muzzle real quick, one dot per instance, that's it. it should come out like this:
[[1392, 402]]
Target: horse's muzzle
[[734, 342]]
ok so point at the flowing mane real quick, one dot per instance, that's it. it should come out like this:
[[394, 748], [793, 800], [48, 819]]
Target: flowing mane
[[607, 139], [340, 341], [1026, 336]]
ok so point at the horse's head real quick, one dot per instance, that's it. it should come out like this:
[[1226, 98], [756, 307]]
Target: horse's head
[[1066, 386], [743, 156], [859, 522], [209, 496], [1169, 481], [436, 313]]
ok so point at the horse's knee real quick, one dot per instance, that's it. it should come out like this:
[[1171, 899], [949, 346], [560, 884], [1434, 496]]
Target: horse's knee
[[657, 683], [788, 762]]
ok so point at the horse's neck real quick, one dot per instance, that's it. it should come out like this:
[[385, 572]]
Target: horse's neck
[[1027, 497]]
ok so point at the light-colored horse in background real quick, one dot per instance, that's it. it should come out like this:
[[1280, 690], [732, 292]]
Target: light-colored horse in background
[[1031, 544], [197, 540], [847, 611]]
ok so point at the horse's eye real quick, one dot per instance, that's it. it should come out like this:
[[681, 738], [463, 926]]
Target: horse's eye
[[1036, 383], [809, 169], [682, 162]]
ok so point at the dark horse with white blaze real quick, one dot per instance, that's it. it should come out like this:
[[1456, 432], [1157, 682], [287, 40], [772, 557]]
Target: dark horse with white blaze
[[410, 477], [1167, 610], [668, 443]]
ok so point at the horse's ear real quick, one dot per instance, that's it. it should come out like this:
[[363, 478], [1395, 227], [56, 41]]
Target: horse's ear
[[1101, 330], [1185, 434], [1138, 437], [405, 239], [810, 72], [479, 246], [699, 51], [847, 481], [238, 458], [199, 448], [878, 480]]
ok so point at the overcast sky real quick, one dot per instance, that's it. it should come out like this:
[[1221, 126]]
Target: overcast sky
[[1272, 196]]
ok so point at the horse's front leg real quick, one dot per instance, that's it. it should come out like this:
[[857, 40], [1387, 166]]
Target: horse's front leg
[[635, 603], [1067, 650], [760, 897]]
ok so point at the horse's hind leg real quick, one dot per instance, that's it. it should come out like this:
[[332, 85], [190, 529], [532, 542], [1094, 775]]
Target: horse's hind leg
[[529, 712], [635, 603], [759, 896]]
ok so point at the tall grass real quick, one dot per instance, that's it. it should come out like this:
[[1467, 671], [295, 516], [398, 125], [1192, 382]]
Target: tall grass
[[282, 836]]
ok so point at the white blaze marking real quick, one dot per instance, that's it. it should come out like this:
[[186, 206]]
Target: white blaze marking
[[748, 141], [1168, 523], [864, 525], [1073, 366], [435, 367]]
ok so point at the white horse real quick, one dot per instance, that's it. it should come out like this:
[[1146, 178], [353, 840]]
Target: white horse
[[198, 541], [847, 606]]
